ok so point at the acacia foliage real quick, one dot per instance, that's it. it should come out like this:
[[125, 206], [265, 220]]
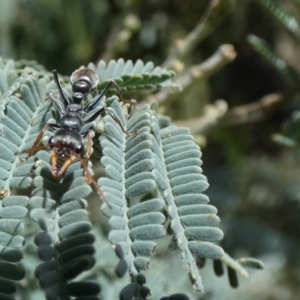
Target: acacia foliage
[[154, 179]]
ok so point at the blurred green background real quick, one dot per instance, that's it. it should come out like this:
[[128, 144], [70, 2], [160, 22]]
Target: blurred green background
[[254, 182]]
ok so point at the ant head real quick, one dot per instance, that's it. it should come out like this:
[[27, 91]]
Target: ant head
[[80, 90], [83, 81]]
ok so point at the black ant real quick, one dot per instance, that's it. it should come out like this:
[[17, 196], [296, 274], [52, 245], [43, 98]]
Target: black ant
[[66, 143]]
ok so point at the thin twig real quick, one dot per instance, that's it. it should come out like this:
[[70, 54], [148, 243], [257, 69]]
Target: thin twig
[[223, 56], [244, 114], [208, 120], [217, 10], [253, 112]]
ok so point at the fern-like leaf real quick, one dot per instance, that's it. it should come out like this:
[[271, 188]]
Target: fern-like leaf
[[193, 220], [154, 169], [12, 210], [130, 223], [133, 76], [285, 18], [288, 72], [21, 122], [16, 117], [152, 176], [66, 244]]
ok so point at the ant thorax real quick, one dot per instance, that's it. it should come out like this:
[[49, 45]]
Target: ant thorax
[[73, 117], [73, 108]]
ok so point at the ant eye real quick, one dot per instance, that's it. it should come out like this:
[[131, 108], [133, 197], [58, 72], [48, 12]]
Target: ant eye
[[51, 142], [79, 148], [81, 87]]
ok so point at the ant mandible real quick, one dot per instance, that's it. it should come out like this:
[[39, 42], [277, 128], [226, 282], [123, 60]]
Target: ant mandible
[[66, 143]]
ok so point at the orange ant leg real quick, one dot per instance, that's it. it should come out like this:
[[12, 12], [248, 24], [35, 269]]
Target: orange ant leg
[[117, 120], [35, 146], [88, 149], [32, 150], [91, 179], [122, 99]]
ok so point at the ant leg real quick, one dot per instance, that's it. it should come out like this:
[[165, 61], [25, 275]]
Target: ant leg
[[35, 147], [53, 160], [98, 98], [59, 106], [90, 135], [88, 150], [122, 99], [117, 120], [91, 179], [60, 90], [56, 173]]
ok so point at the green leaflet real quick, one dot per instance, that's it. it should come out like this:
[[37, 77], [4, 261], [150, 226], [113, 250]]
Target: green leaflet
[[16, 116], [180, 153], [10, 255], [11, 271], [56, 206], [261, 46], [235, 267], [133, 76], [164, 167], [251, 263], [78, 289], [238, 266], [10, 227], [64, 219], [16, 135], [286, 19], [130, 223]]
